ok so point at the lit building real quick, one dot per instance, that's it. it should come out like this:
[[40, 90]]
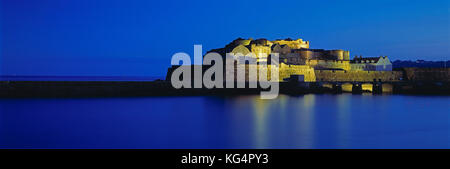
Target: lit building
[[381, 63], [296, 58], [297, 52]]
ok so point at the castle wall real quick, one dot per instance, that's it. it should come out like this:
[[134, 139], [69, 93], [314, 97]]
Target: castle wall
[[305, 54], [329, 64], [311, 75], [287, 70], [346, 55], [261, 52], [339, 54], [293, 59], [357, 75], [282, 51], [296, 44]]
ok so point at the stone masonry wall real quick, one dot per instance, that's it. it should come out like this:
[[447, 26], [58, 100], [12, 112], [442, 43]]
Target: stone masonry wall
[[357, 75]]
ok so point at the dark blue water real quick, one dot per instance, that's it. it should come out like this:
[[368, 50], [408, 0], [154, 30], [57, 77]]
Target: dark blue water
[[309, 121]]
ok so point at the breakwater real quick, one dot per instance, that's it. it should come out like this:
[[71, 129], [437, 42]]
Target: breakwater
[[20, 89]]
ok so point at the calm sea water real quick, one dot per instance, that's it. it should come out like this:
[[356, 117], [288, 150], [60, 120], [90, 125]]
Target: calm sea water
[[309, 121]]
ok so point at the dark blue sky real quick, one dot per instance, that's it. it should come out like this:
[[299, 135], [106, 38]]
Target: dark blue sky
[[139, 37]]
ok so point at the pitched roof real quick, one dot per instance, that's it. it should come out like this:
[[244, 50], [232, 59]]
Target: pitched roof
[[371, 59]]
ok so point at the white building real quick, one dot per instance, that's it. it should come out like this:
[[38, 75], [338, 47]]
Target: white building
[[381, 63]]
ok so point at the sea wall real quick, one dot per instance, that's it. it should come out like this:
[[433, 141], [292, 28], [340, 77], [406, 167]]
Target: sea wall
[[285, 71], [311, 75], [357, 75], [427, 74], [329, 64]]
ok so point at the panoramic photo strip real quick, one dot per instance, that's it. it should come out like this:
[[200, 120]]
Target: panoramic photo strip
[[224, 84]]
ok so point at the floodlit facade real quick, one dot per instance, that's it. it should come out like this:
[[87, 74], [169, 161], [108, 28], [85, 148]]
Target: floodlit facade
[[297, 58]]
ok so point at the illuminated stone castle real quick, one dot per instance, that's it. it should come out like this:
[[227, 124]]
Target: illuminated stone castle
[[313, 65], [297, 52]]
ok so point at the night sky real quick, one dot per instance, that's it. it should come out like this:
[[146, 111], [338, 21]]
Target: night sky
[[139, 37]]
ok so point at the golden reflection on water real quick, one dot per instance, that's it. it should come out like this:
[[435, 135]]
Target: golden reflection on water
[[267, 120], [261, 108], [301, 107], [343, 119], [306, 124], [262, 111]]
